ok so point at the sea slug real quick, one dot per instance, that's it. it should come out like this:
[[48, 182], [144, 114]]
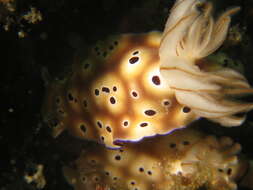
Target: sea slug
[[140, 85]]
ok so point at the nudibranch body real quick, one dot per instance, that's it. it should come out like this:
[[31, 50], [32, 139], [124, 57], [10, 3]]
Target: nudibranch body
[[117, 94], [186, 159], [138, 85]]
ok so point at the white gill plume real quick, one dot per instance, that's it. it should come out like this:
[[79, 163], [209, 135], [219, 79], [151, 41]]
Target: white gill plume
[[190, 35]]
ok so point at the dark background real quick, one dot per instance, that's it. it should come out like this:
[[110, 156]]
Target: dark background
[[66, 26]]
